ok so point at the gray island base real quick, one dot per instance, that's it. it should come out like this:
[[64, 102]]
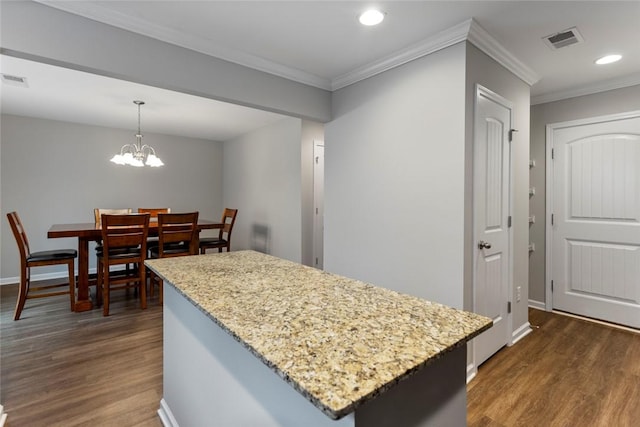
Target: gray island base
[[254, 340]]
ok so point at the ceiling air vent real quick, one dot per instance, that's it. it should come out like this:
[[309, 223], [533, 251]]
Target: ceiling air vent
[[14, 80], [563, 38]]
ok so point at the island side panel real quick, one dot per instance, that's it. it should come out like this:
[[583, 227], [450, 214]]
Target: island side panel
[[211, 379], [436, 396]]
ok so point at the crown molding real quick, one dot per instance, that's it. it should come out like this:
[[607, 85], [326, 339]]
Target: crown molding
[[433, 44], [486, 43], [468, 30], [95, 12], [619, 83]]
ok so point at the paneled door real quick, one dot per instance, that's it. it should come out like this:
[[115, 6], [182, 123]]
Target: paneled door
[[593, 261], [491, 207]]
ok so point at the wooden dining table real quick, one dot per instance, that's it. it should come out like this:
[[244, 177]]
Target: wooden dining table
[[89, 232]]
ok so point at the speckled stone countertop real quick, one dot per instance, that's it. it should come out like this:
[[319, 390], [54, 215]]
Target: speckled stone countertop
[[338, 341]]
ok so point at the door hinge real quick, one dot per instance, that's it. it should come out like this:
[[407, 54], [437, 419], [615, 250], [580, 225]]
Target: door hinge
[[316, 211], [509, 221], [551, 219], [552, 154], [509, 307], [552, 286], [511, 131], [316, 260]]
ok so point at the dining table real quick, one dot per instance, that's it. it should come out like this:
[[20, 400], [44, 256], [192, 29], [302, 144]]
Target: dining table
[[87, 232]]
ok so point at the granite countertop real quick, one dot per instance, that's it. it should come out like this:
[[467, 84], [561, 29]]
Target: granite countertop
[[338, 341]]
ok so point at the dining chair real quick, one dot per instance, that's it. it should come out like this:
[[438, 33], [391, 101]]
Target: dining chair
[[177, 236], [30, 259], [153, 241], [124, 239], [97, 216], [224, 237]]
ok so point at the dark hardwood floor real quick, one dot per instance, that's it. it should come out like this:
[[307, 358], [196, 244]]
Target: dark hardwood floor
[[80, 369], [60, 368]]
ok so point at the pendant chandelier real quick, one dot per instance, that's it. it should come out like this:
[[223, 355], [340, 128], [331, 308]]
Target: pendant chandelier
[[137, 154]]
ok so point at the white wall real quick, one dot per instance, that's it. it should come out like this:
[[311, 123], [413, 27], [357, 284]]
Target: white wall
[[483, 70], [262, 179], [58, 172], [394, 178], [599, 104]]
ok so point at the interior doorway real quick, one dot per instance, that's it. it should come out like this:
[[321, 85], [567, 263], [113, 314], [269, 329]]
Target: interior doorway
[[593, 217], [318, 204], [493, 269]]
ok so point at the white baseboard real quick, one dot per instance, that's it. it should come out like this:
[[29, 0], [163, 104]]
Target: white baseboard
[[472, 371], [166, 416], [40, 277], [538, 305], [520, 333], [3, 416]]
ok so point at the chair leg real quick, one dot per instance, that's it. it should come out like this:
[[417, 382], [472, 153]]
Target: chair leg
[[105, 290], [23, 290], [99, 284], [143, 287], [72, 285]]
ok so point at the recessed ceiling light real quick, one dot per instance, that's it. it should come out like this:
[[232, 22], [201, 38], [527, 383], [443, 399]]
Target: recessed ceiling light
[[371, 17], [608, 59]]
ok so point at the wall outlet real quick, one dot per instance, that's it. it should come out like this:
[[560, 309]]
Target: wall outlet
[[518, 293]]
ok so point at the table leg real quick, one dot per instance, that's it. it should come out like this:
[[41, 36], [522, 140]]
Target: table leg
[[83, 302]]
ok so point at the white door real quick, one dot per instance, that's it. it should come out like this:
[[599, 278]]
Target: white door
[[594, 258], [492, 243], [318, 204]]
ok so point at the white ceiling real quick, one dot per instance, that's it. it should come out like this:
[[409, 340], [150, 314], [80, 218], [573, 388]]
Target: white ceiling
[[321, 42]]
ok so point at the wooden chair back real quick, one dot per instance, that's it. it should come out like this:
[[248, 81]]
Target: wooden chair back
[[177, 234], [228, 219], [154, 211], [125, 231], [20, 235], [30, 259], [98, 212]]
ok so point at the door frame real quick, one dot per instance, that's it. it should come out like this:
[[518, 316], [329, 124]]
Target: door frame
[[481, 90], [318, 204], [549, 188]]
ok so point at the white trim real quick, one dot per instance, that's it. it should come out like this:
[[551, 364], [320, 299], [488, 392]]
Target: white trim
[[472, 371], [520, 333], [35, 277], [439, 41], [618, 83], [486, 43], [166, 416], [467, 30], [93, 11], [538, 305], [3, 416]]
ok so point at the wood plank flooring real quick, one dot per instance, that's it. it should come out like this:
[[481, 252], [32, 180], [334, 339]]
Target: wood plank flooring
[[80, 369], [568, 372], [60, 368]]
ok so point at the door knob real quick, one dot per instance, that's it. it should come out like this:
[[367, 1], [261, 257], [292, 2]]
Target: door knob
[[484, 245]]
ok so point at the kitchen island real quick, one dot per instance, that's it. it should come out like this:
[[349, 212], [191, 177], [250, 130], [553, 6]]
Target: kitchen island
[[254, 340]]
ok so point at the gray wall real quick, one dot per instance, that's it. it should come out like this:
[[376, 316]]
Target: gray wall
[[38, 32], [599, 104], [394, 178], [58, 172], [485, 71], [262, 179]]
